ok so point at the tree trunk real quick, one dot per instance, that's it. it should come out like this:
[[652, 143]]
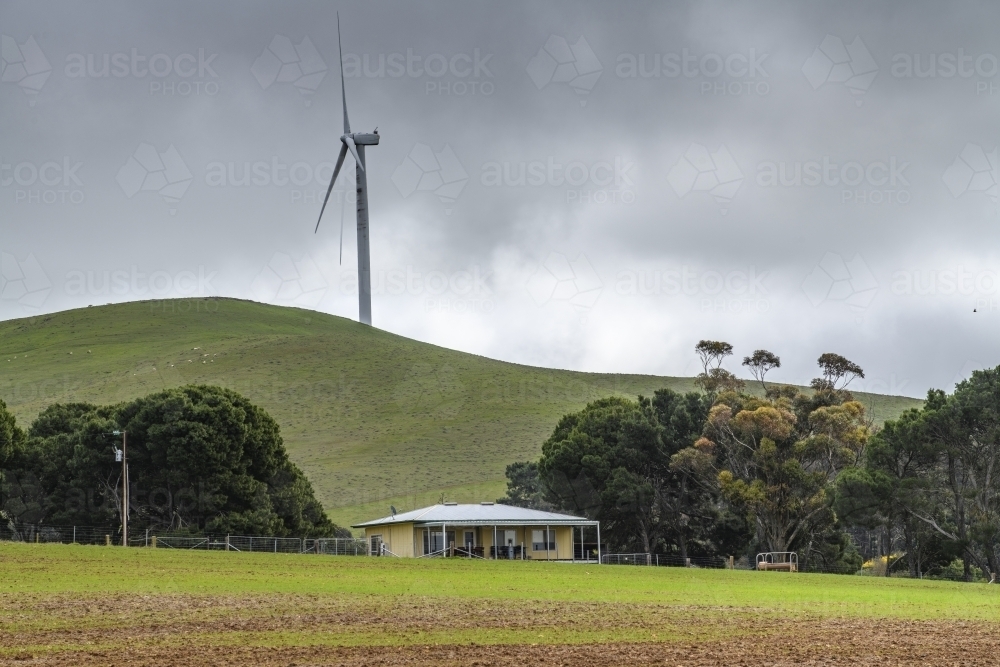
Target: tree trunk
[[911, 556], [888, 548], [683, 544], [959, 514]]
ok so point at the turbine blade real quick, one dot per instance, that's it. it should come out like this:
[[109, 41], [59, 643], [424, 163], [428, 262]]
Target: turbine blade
[[336, 170], [349, 141], [343, 95]]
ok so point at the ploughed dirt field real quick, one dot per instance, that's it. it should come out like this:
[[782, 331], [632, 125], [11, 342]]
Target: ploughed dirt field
[[294, 629]]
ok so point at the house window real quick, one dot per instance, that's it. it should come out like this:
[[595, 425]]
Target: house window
[[538, 541], [470, 539]]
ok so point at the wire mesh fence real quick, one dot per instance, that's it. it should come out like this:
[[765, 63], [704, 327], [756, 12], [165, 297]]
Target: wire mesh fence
[[664, 560], [329, 546], [60, 534], [326, 546]]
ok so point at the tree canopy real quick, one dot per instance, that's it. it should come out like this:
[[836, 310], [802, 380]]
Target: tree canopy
[[615, 461], [201, 459], [715, 472]]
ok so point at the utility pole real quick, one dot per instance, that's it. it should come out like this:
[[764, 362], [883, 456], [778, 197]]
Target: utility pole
[[122, 455]]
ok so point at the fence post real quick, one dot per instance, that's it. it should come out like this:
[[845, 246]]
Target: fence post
[[227, 542], [687, 562], [74, 534], [107, 540], [732, 563], [154, 542]]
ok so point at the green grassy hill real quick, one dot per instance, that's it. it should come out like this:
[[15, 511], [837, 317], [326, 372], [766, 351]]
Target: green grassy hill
[[372, 418]]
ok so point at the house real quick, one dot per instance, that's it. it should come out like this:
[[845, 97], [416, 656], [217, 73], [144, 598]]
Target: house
[[484, 530]]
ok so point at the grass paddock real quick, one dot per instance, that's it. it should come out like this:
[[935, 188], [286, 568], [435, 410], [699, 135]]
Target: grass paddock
[[60, 604]]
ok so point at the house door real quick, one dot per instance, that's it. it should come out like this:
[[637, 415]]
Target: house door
[[434, 541]]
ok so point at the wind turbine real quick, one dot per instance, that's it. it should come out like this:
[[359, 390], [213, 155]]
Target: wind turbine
[[355, 142]]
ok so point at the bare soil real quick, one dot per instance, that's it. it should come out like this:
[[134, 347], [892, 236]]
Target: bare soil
[[303, 630]]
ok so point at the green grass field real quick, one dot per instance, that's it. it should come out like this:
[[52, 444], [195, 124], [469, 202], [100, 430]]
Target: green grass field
[[372, 418], [86, 570], [58, 599]]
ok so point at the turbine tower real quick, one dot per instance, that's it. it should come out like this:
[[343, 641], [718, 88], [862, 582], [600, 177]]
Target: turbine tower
[[355, 142]]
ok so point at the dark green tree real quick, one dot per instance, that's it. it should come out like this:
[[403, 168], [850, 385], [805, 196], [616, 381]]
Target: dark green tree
[[613, 461], [12, 437], [12, 443], [202, 459]]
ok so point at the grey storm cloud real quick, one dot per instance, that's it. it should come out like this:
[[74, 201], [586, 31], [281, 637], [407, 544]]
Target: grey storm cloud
[[583, 185]]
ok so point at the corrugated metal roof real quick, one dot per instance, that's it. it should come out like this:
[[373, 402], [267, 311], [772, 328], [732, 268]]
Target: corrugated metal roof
[[480, 514]]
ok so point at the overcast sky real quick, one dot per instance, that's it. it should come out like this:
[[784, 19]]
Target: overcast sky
[[593, 186]]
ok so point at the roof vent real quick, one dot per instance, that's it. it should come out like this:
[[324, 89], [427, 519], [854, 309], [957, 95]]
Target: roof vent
[[486, 502], [451, 503]]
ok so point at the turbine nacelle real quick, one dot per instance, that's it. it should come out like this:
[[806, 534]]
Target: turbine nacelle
[[351, 142], [363, 139]]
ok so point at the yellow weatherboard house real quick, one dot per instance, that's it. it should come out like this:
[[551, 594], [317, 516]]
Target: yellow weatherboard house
[[484, 530]]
